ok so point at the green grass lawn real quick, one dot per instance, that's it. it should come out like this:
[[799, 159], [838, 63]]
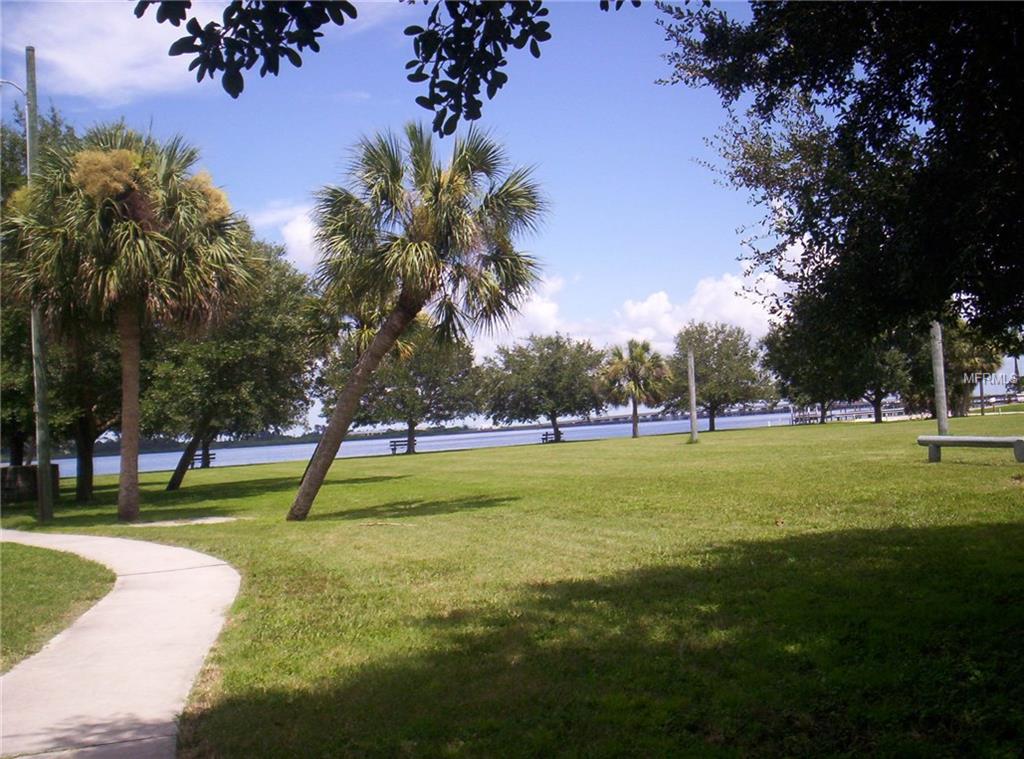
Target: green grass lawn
[[811, 590], [41, 593]]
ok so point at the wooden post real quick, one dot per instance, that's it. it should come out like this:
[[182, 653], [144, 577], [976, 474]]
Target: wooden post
[[691, 376], [939, 377]]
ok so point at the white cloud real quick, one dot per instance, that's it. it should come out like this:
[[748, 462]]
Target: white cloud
[[97, 50], [292, 225], [101, 51], [656, 317]]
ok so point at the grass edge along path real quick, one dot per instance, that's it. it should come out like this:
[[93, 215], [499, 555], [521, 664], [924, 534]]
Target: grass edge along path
[[41, 593]]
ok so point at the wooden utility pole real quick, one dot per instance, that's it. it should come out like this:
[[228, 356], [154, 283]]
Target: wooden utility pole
[[44, 480], [691, 376], [939, 377]]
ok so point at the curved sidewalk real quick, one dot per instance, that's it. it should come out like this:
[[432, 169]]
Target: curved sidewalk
[[114, 682]]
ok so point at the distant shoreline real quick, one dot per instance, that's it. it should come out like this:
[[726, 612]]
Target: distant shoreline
[[113, 448]]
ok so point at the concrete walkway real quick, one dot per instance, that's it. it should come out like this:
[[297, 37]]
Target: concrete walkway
[[113, 684]]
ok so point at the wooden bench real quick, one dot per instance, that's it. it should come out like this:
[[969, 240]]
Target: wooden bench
[[935, 444], [549, 437], [197, 459], [398, 445]]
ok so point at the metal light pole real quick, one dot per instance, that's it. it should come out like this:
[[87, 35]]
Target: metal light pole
[[44, 481], [691, 376], [939, 377]]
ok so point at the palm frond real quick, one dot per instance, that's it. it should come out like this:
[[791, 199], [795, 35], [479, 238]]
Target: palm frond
[[443, 238], [152, 240]]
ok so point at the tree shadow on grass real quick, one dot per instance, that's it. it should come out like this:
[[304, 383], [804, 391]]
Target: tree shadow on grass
[[417, 508], [895, 642], [190, 501]]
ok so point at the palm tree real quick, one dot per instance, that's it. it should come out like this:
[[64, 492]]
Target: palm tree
[[123, 232], [410, 235], [636, 375]]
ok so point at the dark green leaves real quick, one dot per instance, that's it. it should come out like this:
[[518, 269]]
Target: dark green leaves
[[184, 45], [462, 50], [251, 32], [233, 82], [459, 53]]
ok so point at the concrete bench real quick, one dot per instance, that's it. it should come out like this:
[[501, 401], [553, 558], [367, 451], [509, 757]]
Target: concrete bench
[[935, 444]]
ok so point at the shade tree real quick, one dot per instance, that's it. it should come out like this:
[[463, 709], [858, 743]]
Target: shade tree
[[544, 377], [905, 194], [726, 366], [806, 354], [247, 372]]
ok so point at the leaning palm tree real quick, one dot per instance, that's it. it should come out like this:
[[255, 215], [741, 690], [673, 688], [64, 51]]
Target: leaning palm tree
[[636, 375], [121, 231], [410, 235]]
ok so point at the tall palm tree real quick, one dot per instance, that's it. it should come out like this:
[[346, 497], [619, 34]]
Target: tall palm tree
[[410, 235], [637, 375], [121, 230]]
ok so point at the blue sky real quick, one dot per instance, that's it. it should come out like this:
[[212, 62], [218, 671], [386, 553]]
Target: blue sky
[[639, 240]]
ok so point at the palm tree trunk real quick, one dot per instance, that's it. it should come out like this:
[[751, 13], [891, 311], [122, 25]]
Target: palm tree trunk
[[410, 438], [345, 408], [554, 428], [636, 418], [129, 331], [183, 463], [85, 441]]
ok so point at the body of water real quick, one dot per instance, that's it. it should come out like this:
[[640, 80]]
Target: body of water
[[267, 454]]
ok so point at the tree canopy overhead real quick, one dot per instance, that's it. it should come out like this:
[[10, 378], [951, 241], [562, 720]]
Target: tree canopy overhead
[[919, 196], [459, 53]]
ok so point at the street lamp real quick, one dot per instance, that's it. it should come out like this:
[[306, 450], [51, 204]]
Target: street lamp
[[44, 483]]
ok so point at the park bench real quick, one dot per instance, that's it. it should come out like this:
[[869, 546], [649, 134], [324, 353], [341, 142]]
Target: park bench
[[197, 459], [398, 445], [935, 444], [549, 437]]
